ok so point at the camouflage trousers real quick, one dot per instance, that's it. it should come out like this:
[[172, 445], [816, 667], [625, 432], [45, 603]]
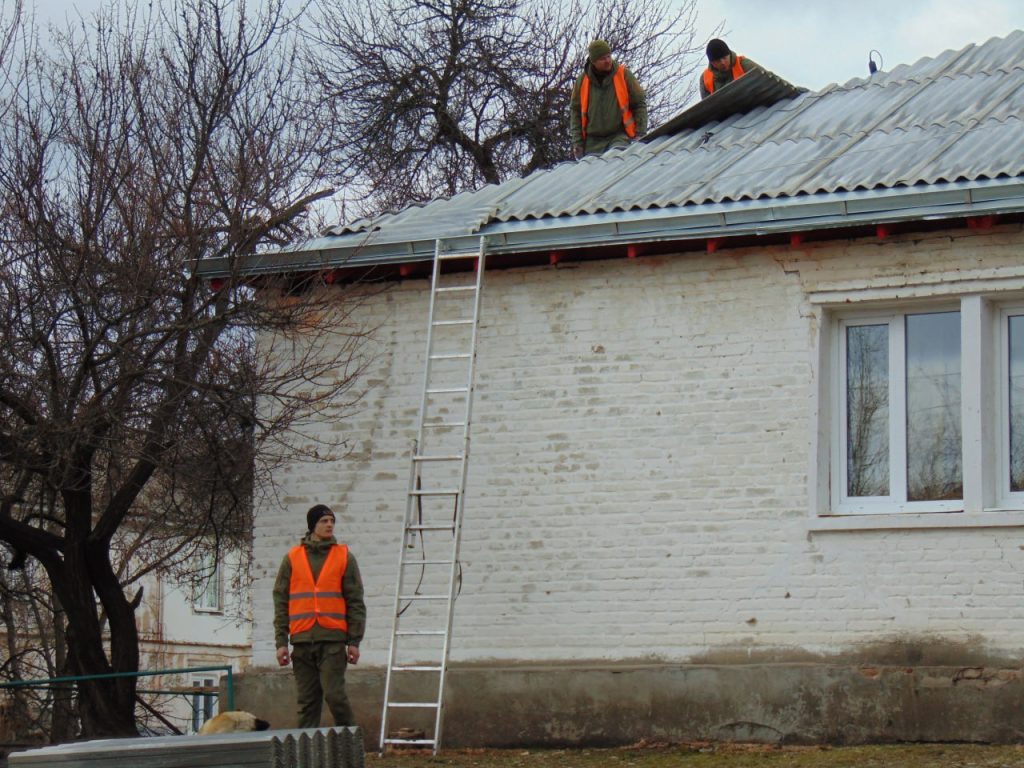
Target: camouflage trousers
[[597, 145], [319, 669]]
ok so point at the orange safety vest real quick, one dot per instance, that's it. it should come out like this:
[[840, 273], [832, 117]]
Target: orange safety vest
[[312, 603], [709, 74], [621, 95]]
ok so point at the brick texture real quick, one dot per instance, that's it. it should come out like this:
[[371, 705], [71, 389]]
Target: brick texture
[[638, 486]]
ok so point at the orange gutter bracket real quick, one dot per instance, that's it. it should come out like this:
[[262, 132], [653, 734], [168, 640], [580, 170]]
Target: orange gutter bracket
[[713, 244], [404, 270], [632, 251], [796, 239], [554, 257], [882, 231], [981, 222]]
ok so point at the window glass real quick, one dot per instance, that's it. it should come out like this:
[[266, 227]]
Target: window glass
[[202, 703], [934, 465], [867, 410], [1016, 405], [207, 593]]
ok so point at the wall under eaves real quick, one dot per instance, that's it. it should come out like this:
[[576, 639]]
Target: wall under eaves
[[650, 548]]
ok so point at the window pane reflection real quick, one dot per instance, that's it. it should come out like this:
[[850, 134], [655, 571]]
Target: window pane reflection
[[934, 466], [867, 410], [1016, 403]]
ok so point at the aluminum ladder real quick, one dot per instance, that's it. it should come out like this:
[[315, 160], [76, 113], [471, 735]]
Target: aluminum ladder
[[428, 562]]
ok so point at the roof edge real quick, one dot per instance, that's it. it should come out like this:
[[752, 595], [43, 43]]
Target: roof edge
[[951, 200]]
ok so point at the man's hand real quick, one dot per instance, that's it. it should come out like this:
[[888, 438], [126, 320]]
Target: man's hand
[[353, 654], [282, 656], [577, 152]]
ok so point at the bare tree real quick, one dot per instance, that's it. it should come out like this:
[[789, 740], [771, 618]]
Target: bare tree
[[435, 97], [140, 143], [10, 23]]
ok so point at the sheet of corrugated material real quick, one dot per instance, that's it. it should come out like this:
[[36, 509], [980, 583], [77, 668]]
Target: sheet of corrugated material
[[312, 748], [955, 116]]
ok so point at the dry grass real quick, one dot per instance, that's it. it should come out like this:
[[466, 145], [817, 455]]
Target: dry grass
[[717, 755]]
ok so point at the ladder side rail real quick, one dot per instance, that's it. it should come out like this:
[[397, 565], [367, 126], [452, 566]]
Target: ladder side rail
[[435, 277], [410, 498], [399, 581], [461, 499]]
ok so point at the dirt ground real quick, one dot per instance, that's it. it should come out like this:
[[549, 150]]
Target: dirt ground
[[715, 755]]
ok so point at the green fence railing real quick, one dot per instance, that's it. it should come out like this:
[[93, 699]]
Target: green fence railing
[[53, 682]]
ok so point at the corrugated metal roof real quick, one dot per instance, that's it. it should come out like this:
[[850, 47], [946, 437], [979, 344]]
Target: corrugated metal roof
[[756, 89], [948, 120]]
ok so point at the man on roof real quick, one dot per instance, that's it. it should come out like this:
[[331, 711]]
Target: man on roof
[[608, 107], [724, 66]]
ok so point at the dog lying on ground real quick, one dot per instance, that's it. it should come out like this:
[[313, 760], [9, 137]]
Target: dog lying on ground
[[233, 722]]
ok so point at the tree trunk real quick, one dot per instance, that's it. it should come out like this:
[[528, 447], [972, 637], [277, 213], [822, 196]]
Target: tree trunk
[[64, 719], [106, 706]]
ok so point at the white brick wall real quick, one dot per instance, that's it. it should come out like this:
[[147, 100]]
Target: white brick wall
[[638, 483]]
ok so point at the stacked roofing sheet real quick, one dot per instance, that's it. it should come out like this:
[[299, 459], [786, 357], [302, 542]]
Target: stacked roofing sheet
[[947, 131], [311, 748]]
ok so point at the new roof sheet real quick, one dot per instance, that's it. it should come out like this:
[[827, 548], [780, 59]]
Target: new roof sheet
[[756, 89], [955, 118]]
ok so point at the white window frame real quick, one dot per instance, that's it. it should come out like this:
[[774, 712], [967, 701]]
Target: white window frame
[[204, 705], [211, 585], [1006, 498], [984, 368], [896, 502]]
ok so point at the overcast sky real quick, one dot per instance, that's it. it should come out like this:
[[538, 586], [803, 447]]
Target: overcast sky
[[810, 42], [816, 42]]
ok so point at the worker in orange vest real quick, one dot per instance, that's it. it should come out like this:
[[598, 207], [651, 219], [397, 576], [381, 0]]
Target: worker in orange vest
[[724, 66], [608, 107], [318, 605]]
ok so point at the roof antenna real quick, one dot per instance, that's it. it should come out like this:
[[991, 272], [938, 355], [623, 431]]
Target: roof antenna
[[872, 67]]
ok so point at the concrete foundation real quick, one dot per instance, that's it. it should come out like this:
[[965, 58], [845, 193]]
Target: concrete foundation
[[610, 704]]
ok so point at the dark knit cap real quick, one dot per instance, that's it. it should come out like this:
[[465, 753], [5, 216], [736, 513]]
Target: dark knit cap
[[597, 49], [315, 513], [717, 49]]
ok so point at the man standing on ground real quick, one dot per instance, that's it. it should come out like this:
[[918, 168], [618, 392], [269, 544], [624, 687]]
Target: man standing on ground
[[318, 603], [608, 107], [724, 66]]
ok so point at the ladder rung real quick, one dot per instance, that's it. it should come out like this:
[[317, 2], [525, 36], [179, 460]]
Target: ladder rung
[[448, 391], [415, 668], [462, 321], [436, 492], [408, 741], [452, 356], [448, 457], [444, 424], [423, 597], [420, 632], [413, 704], [437, 527], [457, 256], [454, 288], [427, 562]]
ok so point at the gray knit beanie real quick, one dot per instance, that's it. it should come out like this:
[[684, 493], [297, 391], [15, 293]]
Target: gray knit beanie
[[597, 49]]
